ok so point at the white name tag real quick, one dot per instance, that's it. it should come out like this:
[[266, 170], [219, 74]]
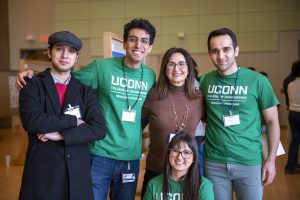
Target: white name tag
[[128, 115], [231, 120], [75, 111], [128, 177]]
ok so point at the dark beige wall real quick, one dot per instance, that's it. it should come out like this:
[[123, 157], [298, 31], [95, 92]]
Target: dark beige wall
[[37, 17], [4, 36], [20, 18], [276, 64], [5, 110], [28, 17]]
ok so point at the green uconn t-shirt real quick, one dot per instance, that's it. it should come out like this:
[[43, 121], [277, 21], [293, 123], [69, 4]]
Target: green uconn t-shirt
[[246, 95], [155, 188], [124, 139]]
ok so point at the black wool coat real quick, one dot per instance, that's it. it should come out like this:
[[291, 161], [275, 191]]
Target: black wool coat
[[58, 170]]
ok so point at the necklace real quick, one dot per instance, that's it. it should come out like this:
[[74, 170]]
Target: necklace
[[180, 126]]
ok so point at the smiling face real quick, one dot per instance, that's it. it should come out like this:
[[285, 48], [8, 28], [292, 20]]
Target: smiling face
[[223, 54], [180, 158], [137, 47], [177, 69], [63, 58]]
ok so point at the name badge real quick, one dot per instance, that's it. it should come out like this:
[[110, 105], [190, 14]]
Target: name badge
[[75, 111], [128, 177], [231, 120], [128, 115]]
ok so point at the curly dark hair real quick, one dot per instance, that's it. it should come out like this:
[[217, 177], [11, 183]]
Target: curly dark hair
[[142, 24]]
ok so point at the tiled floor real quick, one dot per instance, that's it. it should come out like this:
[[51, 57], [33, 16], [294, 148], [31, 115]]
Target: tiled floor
[[285, 187]]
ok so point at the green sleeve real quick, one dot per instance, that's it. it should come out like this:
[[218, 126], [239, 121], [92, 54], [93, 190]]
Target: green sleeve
[[148, 194], [89, 75], [206, 190], [267, 97]]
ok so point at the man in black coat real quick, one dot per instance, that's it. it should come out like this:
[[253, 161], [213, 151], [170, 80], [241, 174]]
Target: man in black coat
[[62, 117]]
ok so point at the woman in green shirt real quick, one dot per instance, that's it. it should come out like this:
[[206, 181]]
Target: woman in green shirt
[[180, 179]]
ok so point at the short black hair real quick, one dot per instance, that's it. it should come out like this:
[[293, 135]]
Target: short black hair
[[296, 68], [264, 73], [219, 32], [252, 68], [142, 24]]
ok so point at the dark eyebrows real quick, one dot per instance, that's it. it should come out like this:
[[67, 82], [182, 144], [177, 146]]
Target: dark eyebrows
[[227, 48], [221, 49]]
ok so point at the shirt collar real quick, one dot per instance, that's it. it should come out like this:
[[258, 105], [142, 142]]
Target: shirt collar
[[57, 80]]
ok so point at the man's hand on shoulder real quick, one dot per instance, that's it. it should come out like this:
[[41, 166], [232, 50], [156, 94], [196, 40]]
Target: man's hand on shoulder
[[20, 82]]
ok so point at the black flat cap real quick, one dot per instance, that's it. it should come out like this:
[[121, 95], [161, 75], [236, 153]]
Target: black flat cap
[[65, 37]]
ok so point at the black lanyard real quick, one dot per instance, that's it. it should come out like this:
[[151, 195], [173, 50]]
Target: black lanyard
[[221, 100], [127, 99]]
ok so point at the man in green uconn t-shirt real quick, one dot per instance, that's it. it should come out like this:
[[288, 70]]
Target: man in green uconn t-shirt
[[121, 85], [235, 98]]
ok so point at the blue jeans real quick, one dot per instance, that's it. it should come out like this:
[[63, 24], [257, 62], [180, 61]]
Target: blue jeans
[[107, 174], [243, 179], [294, 120]]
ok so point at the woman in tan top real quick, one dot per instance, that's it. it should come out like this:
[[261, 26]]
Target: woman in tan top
[[173, 105]]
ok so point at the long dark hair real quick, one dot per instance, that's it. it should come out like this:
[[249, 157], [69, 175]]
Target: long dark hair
[[162, 85], [190, 183]]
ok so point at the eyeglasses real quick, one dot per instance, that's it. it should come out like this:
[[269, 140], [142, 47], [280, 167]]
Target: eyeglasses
[[186, 154], [134, 39], [181, 65]]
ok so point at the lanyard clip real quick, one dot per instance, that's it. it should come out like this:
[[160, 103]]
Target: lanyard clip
[[128, 165]]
